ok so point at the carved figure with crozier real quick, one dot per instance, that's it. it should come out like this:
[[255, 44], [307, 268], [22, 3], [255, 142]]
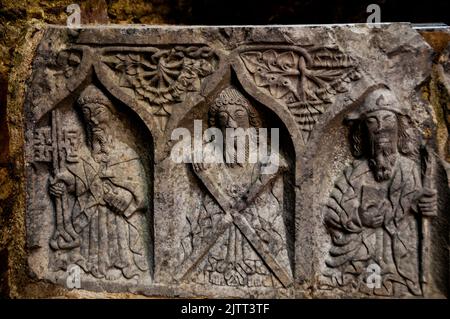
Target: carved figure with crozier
[[375, 210]]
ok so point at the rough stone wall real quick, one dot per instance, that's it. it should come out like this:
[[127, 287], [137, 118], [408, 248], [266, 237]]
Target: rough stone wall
[[20, 33]]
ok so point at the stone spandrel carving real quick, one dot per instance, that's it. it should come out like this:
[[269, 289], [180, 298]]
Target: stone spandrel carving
[[99, 193], [60, 66], [237, 235], [377, 214], [306, 81], [162, 77]]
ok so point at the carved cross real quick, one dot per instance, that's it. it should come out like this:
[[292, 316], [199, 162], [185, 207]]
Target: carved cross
[[233, 216], [43, 145]]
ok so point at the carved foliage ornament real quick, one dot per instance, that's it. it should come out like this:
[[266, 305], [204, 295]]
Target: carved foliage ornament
[[162, 77], [305, 81]]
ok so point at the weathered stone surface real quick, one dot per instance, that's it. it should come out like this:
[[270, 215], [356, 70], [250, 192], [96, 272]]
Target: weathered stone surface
[[443, 75], [359, 188]]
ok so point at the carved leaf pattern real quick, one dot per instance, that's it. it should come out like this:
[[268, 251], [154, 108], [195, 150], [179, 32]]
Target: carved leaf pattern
[[304, 82], [162, 76]]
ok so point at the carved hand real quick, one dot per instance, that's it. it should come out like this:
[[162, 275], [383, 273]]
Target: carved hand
[[58, 189], [428, 202], [373, 215], [116, 203], [116, 198], [198, 167], [240, 204], [61, 183]]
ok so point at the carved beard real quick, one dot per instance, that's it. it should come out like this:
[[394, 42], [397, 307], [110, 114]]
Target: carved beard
[[234, 162], [99, 141], [384, 155]]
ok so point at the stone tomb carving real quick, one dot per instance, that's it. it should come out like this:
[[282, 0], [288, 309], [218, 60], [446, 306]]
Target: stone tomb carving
[[358, 190], [240, 224], [375, 208]]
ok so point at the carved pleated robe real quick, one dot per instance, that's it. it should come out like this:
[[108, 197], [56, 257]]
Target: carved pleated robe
[[393, 247], [111, 242]]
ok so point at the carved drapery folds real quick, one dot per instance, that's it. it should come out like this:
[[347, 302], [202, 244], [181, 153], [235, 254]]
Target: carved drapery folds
[[379, 209], [228, 239], [98, 191]]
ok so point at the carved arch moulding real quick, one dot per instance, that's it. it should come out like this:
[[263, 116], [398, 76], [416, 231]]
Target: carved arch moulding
[[357, 184]]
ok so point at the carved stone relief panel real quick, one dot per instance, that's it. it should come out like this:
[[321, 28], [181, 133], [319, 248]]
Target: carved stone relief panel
[[382, 203], [92, 182], [238, 234], [344, 196]]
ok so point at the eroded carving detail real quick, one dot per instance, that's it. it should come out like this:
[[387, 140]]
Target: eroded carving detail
[[379, 209], [228, 230], [99, 192], [443, 70], [162, 77], [305, 81], [59, 66], [237, 237], [67, 61]]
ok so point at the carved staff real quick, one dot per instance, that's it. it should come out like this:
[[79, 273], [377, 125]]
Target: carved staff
[[428, 168], [64, 236]]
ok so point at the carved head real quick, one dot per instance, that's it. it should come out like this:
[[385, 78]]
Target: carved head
[[96, 108], [232, 110], [97, 112], [379, 129]]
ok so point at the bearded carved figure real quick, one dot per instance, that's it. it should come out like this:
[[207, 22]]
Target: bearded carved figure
[[375, 211], [102, 198], [237, 235]]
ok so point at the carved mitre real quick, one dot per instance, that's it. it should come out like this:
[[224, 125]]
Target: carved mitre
[[379, 98]]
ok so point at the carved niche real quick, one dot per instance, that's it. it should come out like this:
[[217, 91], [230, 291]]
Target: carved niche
[[238, 232], [92, 174], [378, 214]]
